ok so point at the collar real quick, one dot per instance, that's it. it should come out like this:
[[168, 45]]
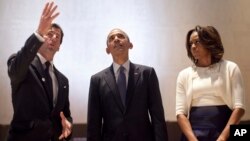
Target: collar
[[117, 66], [43, 60]]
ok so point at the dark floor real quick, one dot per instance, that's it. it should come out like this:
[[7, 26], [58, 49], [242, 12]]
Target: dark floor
[[79, 139], [79, 131]]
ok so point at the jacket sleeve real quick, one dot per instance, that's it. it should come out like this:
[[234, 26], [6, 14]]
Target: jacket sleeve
[[18, 63], [94, 118], [156, 108]]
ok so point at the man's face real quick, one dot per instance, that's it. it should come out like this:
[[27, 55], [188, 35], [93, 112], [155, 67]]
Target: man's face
[[118, 43], [53, 39]]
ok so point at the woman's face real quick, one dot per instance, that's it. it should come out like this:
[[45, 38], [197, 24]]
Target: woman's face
[[198, 50]]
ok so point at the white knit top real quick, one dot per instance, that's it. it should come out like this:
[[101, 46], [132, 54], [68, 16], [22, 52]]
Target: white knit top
[[218, 84]]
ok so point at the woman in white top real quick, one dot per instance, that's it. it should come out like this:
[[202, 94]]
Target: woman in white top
[[209, 94]]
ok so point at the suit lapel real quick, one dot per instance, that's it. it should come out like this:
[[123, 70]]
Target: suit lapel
[[37, 65], [38, 72], [110, 80], [132, 82]]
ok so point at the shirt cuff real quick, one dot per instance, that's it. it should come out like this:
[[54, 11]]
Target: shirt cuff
[[39, 37]]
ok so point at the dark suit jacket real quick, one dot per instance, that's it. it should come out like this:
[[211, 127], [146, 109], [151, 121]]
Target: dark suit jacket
[[34, 118], [142, 119]]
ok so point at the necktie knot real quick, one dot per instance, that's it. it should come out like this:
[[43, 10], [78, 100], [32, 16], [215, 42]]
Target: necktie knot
[[122, 69], [47, 64]]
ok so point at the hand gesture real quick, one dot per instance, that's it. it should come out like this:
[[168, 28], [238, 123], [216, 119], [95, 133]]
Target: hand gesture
[[47, 17], [66, 125]]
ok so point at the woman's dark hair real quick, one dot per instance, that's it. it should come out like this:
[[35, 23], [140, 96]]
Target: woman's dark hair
[[55, 25], [210, 39]]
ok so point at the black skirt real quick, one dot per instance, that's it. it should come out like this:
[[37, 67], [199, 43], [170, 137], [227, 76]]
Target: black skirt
[[208, 121]]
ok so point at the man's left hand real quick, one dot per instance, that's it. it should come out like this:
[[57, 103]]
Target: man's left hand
[[67, 127]]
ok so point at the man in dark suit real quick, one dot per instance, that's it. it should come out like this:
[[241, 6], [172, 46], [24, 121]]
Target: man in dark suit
[[134, 115], [41, 111]]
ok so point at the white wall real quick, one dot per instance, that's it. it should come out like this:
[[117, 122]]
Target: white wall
[[157, 29]]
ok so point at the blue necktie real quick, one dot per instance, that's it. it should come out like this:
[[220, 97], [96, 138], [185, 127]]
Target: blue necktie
[[121, 82], [49, 84]]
